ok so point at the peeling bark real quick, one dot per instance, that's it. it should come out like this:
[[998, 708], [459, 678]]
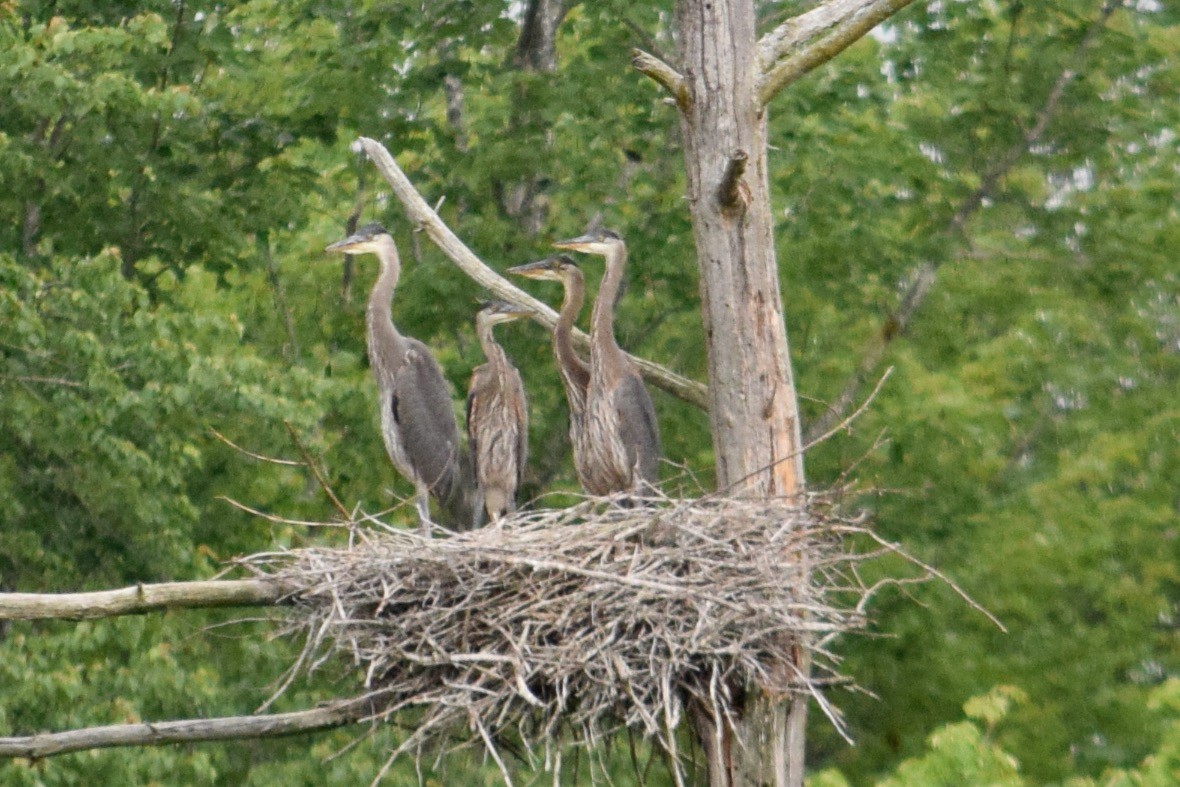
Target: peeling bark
[[753, 407]]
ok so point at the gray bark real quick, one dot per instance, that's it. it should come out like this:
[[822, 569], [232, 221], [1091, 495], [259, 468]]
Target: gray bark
[[753, 408], [722, 86], [230, 728], [752, 400], [139, 599]]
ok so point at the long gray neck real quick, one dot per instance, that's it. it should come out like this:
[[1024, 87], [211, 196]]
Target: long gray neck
[[386, 345], [492, 351], [602, 319], [571, 306]]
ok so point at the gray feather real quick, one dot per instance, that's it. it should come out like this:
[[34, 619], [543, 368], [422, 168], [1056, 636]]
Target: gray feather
[[422, 408], [639, 428]]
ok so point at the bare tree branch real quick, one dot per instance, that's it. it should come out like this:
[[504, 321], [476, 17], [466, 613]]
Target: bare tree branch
[[428, 220], [798, 31], [923, 277], [659, 71], [315, 471], [811, 39], [36, 378], [138, 599], [48, 744], [847, 422]]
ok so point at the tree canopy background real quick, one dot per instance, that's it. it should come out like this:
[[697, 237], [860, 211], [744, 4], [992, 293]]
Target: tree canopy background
[[169, 175]]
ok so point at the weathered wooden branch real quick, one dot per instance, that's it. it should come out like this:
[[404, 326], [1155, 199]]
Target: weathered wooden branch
[[788, 37], [733, 194], [809, 40], [922, 278], [139, 599], [422, 215], [664, 75], [48, 744]]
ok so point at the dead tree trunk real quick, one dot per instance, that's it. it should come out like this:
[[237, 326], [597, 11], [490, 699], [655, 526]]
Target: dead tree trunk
[[722, 85], [536, 53], [752, 402], [753, 409]]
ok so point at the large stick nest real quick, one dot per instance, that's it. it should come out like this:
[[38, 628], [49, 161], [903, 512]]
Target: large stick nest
[[579, 620]]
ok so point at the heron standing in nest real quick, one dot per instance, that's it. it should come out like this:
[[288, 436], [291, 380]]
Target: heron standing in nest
[[417, 420], [619, 427], [575, 372], [497, 416]]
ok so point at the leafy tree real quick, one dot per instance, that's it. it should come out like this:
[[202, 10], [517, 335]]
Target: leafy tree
[[170, 172], [966, 752]]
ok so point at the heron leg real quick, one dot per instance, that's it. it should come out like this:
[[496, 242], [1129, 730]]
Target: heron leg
[[422, 503]]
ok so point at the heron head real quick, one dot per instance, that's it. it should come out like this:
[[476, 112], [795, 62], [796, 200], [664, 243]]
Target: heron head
[[497, 312], [557, 268], [599, 241], [362, 241]]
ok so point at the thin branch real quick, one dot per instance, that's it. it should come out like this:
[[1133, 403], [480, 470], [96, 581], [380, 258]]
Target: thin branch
[[809, 40], [893, 326], [847, 421], [663, 74], [315, 471], [1005, 162], [425, 218], [923, 277], [138, 599], [896, 549], [336, 714], [35, 378], [280, 520], [251, 454]]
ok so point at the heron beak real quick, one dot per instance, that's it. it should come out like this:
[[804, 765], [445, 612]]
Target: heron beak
[[579, 243], [503, 311], [342, 245], [533, 270]]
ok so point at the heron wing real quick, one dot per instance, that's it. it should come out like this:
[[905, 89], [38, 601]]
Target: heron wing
[[475, 405], [641, 430], [481, 416], [422, 409], [522, 423]]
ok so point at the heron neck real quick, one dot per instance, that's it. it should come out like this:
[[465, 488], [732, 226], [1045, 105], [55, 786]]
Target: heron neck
[[492, 351], [571, 306], [379, 314], [602, 319]]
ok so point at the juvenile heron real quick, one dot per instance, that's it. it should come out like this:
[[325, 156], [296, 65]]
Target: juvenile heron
[[575, 373], [619, 429], [497, 416], [417, 421]]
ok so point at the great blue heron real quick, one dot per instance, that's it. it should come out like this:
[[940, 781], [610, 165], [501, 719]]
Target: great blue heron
[[417, 420], [497, 416], [619, 427], [575, 373]]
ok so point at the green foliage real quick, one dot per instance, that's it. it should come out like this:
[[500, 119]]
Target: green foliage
[[966, 752], [169, 176]]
